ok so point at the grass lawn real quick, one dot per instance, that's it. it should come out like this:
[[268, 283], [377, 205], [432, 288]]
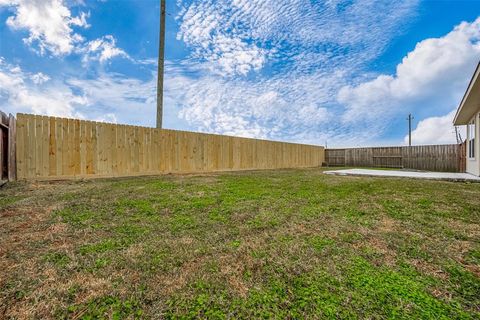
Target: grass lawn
[[283, 244]]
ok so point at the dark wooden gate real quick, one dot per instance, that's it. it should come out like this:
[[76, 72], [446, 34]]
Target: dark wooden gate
[[8, 169]]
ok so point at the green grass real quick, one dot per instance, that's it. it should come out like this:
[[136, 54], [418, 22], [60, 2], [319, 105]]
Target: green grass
[[269, 244]]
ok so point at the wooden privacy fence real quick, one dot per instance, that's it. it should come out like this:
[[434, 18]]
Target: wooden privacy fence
[[448, 158], [57, 148]]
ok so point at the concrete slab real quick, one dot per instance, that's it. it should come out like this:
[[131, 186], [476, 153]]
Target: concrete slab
[[407, 174]]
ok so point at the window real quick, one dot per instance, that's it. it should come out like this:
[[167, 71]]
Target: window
[[471, 139]]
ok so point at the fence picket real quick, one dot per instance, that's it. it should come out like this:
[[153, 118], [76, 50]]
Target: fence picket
[[12, 167]]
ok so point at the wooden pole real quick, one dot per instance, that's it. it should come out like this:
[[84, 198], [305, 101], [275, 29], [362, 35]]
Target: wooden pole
[[161, 65], [410, 118]]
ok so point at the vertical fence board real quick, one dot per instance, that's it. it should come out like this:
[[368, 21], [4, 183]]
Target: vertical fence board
[[45, 141], [83, 148], [32, 148], [3, 149], [12, 153], [21, 132], [101, 148], [128, 150], [65, 148], [39, 147], [52, 151], [88, 148], [76, 163], [59, 147], [71, 147]]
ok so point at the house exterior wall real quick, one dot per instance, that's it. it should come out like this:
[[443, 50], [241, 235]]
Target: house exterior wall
[[473, 164]]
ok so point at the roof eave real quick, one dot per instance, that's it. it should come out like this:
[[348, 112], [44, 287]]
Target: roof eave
[[456, 120]]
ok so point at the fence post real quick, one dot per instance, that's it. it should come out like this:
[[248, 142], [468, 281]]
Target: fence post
[[462, 157], [12, 148], [3, 146]]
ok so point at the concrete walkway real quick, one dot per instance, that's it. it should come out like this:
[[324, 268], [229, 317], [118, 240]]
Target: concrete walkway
[[407, 174]]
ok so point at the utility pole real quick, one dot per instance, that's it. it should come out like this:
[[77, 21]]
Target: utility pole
[[161, 65], [458, 135], [410, 118]]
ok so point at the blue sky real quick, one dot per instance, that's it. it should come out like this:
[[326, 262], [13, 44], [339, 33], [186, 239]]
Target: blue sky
[[343, 72]]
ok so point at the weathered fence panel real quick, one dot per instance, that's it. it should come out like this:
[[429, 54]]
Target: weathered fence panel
[[449, 158], [335, 157], [3, 146], [12, 162], [58, 148], [7, 147]]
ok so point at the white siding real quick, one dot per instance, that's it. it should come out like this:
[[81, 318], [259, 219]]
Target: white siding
[[473, 165]]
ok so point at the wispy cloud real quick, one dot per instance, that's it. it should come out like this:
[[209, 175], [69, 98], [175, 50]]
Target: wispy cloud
[[315, 49], [52, 29], [238, 107], [102, 50], [108, 97], [22, 91], [49, 24], [127, 100], [280, 31]]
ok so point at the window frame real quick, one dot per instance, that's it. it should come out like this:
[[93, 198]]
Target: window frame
[[471, 138]]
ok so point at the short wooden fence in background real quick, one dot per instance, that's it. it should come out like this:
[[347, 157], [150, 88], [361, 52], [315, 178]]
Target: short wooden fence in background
[[57, 148], [449, 158]]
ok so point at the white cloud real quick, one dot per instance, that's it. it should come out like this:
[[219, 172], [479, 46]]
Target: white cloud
[[435, 72], [236, 37], [109, 97], [109, 118], [24, 92], [102, 50], [275, 108], [233, 56], [49, 23], [117, 98], [436, 130], [225, 52], [39, 78]]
